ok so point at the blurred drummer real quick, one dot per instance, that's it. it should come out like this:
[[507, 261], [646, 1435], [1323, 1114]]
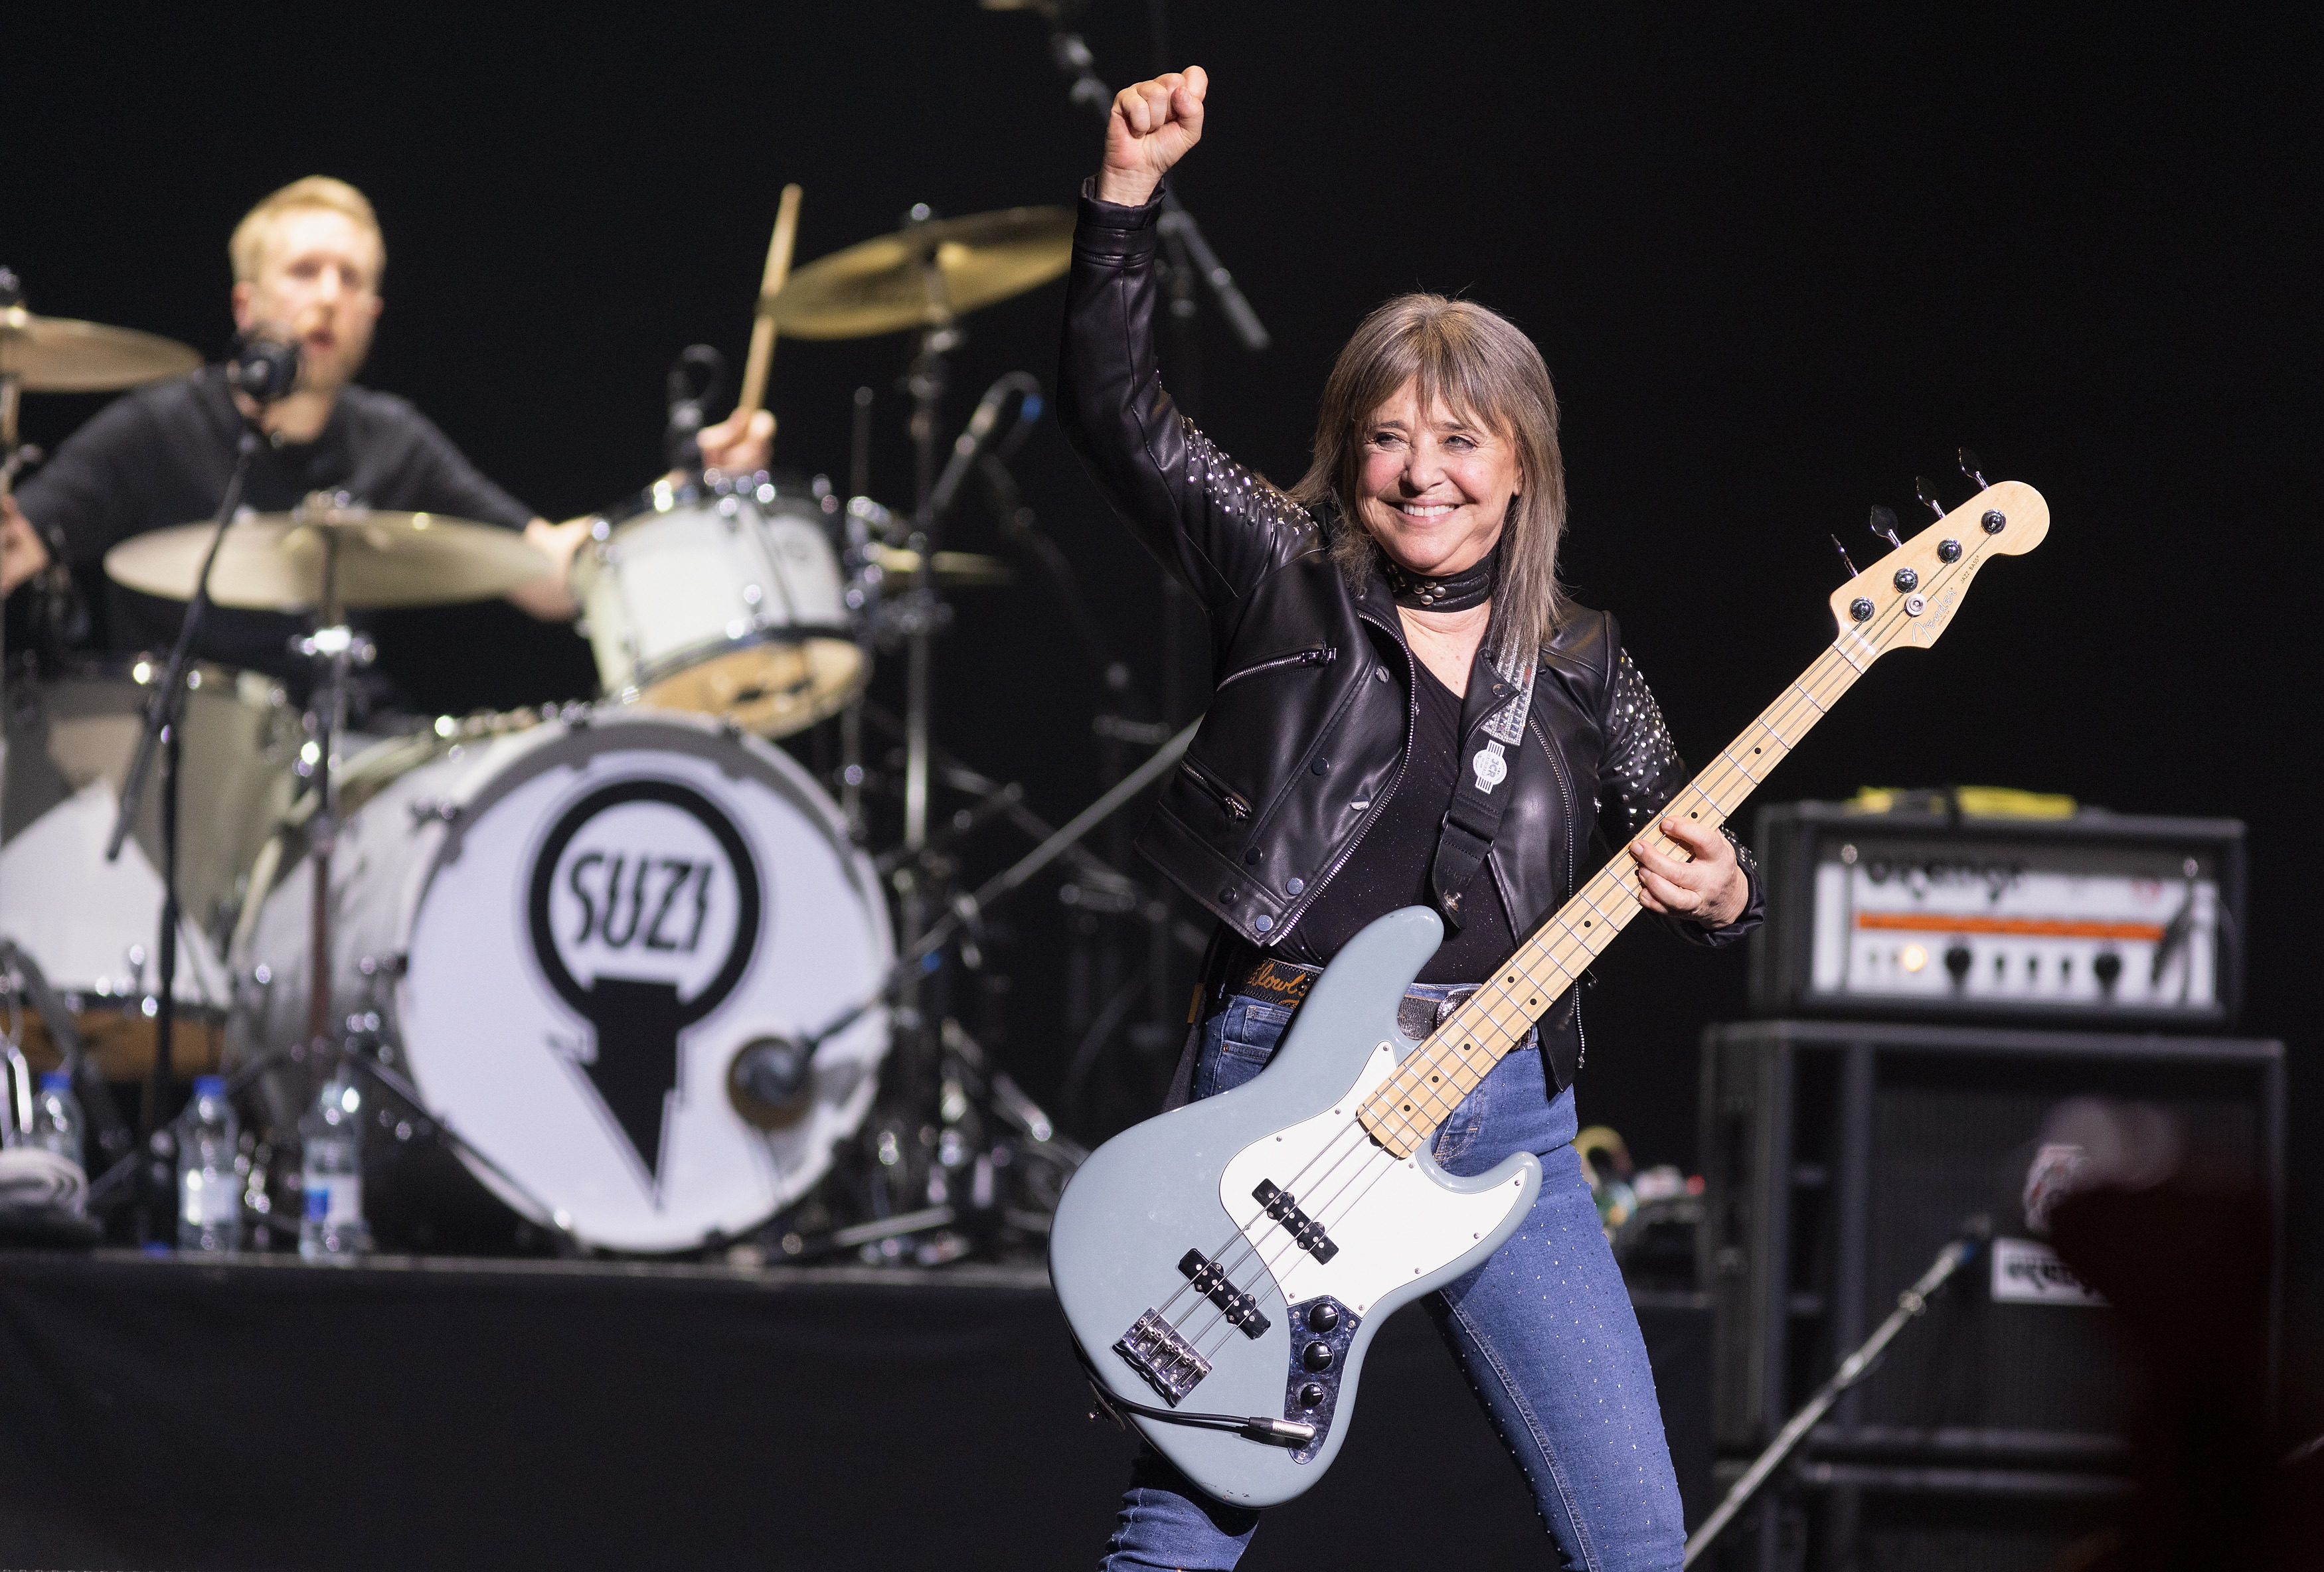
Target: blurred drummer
[[308, 262]]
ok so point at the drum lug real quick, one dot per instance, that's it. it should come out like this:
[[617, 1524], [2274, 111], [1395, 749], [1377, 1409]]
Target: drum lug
[[434, 811]]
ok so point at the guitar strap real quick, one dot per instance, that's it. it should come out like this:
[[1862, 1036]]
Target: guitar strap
[[1469, 824]]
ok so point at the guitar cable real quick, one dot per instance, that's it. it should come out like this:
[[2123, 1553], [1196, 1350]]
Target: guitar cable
[[1250, 1427]]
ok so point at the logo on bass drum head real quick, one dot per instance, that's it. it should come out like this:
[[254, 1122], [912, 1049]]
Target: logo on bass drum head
[[644, 910]]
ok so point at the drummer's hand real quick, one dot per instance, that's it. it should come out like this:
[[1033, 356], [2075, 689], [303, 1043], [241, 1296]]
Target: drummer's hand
[[22, 554], [547, 597], [1711, 890], [738, 443], [1152, 127]]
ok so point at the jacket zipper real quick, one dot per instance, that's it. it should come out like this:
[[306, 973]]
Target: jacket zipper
[[1315, 655], [1379, 802], [1237, 806]]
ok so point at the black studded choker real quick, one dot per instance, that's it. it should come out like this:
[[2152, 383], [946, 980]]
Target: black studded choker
[[1451, 592]]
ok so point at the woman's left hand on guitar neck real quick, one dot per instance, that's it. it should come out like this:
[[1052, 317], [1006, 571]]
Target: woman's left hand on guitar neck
[[1711, 890]]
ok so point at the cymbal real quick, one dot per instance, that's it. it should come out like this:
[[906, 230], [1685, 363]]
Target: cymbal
[[925, 276], [57, 355], [274, 561], [967, 570]]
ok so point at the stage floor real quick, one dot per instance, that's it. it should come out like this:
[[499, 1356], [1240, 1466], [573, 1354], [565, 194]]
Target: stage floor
[[257, 1413]]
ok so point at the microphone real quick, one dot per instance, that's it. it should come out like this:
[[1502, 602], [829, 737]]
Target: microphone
[[973, 440], [774, 1071], [698, 363], [263, 368]]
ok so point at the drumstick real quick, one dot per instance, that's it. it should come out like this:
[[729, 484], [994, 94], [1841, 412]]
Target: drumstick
[[762, 331]]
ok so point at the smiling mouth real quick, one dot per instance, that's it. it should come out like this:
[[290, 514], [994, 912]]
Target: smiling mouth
[[1424, 509]]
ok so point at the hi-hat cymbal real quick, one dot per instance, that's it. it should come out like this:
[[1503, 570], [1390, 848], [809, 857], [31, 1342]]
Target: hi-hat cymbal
[[274, 561], [925, 276], [56, 354], [966, 570]]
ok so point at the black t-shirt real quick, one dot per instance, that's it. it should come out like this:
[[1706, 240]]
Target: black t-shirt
[[1390, 866], [162, 456]]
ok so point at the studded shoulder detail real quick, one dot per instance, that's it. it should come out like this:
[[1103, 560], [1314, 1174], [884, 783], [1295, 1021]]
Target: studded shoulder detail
[[1236, 492], [1641, 768]]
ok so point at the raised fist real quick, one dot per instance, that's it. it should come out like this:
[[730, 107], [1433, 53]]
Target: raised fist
[[1152, 126]]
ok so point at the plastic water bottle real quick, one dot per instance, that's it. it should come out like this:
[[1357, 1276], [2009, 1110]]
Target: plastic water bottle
[[330, 1154], [209, 1186], [56, 1122]]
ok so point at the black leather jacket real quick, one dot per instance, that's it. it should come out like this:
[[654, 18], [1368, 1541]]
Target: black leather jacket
[[1312, 716]]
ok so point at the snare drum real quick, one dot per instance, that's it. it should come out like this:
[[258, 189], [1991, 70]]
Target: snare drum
[[725, 599], [92, 926]]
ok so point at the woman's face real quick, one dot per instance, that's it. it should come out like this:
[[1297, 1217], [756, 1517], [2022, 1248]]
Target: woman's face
[[1436, 487]]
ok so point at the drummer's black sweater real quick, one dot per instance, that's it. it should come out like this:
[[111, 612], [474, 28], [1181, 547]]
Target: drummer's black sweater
[[161, 455]]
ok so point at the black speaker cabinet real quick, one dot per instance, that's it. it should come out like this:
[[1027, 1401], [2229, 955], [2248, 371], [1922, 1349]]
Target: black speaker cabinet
[[1838, 1157]]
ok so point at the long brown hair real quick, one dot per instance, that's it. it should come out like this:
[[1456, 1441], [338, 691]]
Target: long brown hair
[[1484, 369]]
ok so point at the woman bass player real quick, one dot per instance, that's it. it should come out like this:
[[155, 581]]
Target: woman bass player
[[1411, 714]]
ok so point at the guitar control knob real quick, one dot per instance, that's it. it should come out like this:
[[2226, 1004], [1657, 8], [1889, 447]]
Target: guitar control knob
[[1907, 580], [1316, 1356], [1310, 1396], [1324, 1317]]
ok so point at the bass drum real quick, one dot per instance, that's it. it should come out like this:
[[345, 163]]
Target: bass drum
[[570, 934]]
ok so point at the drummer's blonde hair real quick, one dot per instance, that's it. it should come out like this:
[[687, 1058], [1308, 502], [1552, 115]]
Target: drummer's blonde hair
[[1484, 368], [247, 249]]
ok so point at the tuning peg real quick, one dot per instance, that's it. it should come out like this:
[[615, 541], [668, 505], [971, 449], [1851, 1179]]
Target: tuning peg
[[1836, 546], [1928, 495], [1970, 467], [1884, 524]]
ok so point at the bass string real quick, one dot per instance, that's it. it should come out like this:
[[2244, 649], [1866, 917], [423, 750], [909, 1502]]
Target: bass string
[[1232, 1255]]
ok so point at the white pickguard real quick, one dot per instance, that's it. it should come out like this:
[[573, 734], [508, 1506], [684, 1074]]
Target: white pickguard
[[1390, 1216]]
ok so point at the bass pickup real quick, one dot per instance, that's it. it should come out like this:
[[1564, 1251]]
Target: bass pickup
[[1209, 1281], [1306, 1232]]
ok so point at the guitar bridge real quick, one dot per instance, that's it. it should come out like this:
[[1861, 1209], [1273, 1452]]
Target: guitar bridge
[[1153, 1348], [1209, 1281], [1305, 1231]]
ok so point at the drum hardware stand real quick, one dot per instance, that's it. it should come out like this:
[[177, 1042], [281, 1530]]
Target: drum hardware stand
[[1959, 1251], [162, 730], [1098, 996], [970, 909], [429, 1127]]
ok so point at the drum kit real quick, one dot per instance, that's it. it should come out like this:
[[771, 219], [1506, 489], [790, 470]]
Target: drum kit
[[627, 960]]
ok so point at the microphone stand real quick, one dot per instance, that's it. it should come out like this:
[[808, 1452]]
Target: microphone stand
[[1178, 228], [163, 733], [1959, 1251]]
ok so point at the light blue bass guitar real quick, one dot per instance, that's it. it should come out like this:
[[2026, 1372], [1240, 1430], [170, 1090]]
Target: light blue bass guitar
[[1224, 1266]]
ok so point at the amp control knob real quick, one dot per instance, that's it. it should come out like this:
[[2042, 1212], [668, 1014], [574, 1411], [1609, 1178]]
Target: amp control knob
[[1316, 1356], [1324, 1317]]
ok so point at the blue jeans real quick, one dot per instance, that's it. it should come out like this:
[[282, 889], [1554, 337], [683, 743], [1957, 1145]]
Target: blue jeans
[[1544, 1331]]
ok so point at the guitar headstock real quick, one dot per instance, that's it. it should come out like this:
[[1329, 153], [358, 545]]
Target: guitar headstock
[[1910, 596]]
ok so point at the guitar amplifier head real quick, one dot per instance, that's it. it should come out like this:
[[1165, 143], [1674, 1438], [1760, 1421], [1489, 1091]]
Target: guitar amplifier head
[[1916, 914]]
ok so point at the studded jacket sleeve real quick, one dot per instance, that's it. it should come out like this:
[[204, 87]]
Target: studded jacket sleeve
[[1638, 771], [1217, 526]]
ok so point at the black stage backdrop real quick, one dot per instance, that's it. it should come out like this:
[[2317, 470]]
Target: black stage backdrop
[[1778, 263]]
